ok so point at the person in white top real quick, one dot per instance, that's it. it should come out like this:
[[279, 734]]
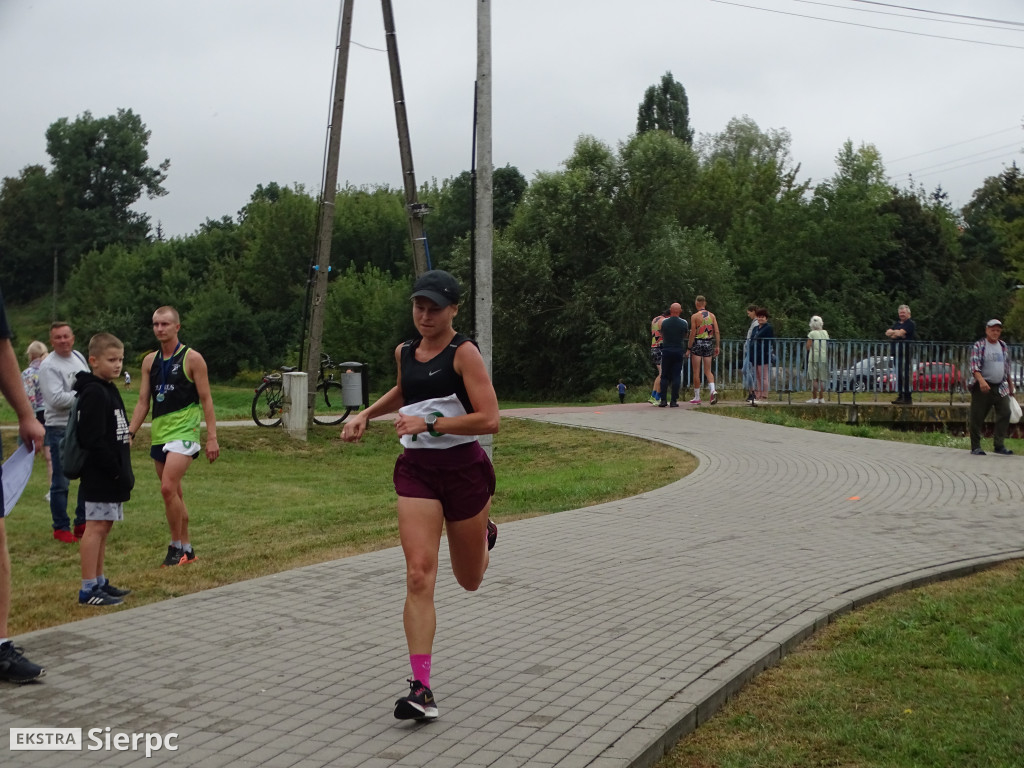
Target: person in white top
[[57, 379]]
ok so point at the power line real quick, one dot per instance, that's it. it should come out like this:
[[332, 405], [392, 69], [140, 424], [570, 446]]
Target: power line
[[909, 16], [911, 174], [957, 144], [998, 150], [869, 26], [369, 47], [939, 13]]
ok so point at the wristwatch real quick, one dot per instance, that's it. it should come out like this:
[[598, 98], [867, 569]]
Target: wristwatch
[[431, 419]]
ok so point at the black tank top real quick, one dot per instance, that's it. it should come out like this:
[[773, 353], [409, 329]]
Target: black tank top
[[172, 389], [435, 377]]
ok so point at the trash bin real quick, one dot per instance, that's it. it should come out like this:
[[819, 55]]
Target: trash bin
[[355, 390]]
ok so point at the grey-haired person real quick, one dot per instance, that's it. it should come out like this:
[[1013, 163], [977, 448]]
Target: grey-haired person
[[817, 359]]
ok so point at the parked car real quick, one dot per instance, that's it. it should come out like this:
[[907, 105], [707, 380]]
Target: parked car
[[863, 375], [929, 377]]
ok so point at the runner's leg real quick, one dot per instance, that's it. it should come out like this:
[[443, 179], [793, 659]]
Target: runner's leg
[[420, 522], [467, 547], [171, 471]]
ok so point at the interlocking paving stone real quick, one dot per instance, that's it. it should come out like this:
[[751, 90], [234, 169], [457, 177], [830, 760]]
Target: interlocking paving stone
[[599, 637]]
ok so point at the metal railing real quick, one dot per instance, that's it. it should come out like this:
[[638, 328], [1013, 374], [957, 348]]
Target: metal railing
[[859, 368]]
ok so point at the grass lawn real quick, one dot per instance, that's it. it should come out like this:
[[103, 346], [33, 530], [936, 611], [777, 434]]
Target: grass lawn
[[932, 678], [270, 503]]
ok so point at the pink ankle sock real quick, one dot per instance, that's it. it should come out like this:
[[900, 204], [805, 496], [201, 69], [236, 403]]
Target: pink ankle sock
[[420, 663]]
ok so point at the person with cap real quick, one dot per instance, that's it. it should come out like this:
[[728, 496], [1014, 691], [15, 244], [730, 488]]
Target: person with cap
[[991, 387], [443, 478]]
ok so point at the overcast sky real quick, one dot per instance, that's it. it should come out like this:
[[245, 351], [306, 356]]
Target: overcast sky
[[237, 92]]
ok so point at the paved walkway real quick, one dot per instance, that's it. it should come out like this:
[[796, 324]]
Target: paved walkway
[[600, 634]]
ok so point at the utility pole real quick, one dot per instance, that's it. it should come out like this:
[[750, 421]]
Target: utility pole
[[482, 291], [325, 225], [414, 209]]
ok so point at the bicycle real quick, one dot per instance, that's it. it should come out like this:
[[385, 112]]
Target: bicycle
[[268, 402]]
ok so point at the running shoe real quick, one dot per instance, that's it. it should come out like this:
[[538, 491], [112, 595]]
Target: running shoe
[[977, 452], [96, 596], [113, 591], [1003, 451], [714, 398], [651, 400], [175, 556], [190, 556], [492, 534], [695, 401], [66, 536], [418, 705], [15, 668]]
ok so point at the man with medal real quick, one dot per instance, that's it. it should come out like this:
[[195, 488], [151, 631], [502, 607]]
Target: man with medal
[[176, 378]]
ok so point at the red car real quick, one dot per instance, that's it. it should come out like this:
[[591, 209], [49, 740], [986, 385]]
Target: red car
[[930, 377]]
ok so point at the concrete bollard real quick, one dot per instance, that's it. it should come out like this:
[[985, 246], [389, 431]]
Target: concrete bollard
[[295, 412]]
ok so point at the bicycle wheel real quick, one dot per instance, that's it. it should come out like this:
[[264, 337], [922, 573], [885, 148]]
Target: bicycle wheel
[[266, 406], [329, 409]]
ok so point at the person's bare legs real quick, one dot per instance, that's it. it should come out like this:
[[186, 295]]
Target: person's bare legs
[[5, 580], [171, 471], [420, 522], [467, 546], [92, 547]]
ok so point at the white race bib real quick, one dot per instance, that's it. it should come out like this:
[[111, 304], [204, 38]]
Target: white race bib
[[442, 406]]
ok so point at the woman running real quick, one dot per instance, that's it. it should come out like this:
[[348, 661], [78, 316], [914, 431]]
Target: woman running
[[444, 479]]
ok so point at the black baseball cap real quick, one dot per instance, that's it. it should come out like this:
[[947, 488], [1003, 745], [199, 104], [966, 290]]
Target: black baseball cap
[[438, 286]]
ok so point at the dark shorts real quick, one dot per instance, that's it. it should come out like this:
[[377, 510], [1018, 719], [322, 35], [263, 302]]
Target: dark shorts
[[656, 356], [461, 478], [40, 417], [703, 348]]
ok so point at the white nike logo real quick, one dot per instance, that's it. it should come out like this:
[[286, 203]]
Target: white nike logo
[[433, 372]]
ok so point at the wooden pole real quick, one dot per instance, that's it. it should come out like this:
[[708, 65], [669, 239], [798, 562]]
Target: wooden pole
[[482, 293], [414, 210], [328, 193]]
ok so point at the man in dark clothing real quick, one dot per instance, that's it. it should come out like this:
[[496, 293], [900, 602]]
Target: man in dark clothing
[[674, 332], [901, 332]]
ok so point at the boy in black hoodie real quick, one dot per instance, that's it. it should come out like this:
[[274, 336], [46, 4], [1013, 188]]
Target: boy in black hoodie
[[107, 478]]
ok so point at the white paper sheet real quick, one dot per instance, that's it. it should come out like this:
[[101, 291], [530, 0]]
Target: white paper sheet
[[17, 471]]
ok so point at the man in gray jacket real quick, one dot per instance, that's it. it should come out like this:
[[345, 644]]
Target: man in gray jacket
[[57, 379]]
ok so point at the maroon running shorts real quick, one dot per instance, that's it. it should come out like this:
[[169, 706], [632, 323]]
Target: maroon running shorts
[[461, 478]]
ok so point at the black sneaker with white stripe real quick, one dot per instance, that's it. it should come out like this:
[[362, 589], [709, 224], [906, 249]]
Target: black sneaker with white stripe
[[97, 596], [418, 705]]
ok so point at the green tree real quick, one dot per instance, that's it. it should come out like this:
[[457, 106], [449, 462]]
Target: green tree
[[366, 315], [28, 238], [371, 229], [665, 108], [100, 167]]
